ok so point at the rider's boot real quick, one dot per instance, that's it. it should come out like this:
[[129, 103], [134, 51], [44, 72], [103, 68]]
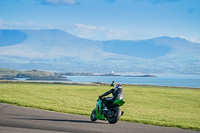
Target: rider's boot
[[104, 108]]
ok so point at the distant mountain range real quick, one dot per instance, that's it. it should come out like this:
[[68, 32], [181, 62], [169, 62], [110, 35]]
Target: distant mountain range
[[56, 50]]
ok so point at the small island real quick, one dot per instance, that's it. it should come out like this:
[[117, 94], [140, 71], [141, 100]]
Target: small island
[[9, 74], [89, 74], [139, 76]]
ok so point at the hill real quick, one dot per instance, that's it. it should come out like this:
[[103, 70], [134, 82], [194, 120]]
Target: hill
[[9, 74], [60, 51]]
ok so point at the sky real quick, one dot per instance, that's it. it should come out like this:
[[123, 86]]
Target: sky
[[106, 19]]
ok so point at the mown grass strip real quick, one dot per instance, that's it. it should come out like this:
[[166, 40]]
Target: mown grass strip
[[163, 106]]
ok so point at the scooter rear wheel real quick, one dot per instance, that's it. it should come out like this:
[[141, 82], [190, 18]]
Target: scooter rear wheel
[[116, 115]]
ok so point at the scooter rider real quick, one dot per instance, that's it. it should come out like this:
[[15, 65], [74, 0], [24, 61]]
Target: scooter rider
[[117, 93]]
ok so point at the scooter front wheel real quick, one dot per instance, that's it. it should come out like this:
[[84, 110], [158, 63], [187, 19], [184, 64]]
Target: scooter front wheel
[[93, 115]]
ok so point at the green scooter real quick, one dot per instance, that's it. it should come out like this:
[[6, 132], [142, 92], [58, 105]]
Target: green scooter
[[112, 115]]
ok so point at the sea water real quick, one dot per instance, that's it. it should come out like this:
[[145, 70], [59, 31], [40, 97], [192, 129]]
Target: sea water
[[178, 81]]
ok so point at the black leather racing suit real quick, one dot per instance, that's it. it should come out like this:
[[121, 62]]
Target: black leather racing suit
[[118, 94]]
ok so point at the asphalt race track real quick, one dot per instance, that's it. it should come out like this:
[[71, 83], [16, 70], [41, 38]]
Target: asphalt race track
[[14, 119]]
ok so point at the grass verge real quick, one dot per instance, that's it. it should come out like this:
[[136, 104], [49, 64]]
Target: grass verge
[[154, 105]]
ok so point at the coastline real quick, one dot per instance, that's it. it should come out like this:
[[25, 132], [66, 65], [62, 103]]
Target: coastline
[[87, 84]]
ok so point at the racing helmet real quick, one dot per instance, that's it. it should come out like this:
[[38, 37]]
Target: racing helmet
[[118, 86]]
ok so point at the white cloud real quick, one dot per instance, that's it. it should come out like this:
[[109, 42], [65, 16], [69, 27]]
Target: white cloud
[[94, 32], [87, 27], [192, 39], [116, 34], [1, 22]]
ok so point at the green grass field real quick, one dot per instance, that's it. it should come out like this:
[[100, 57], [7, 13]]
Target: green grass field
[[163, 106]]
